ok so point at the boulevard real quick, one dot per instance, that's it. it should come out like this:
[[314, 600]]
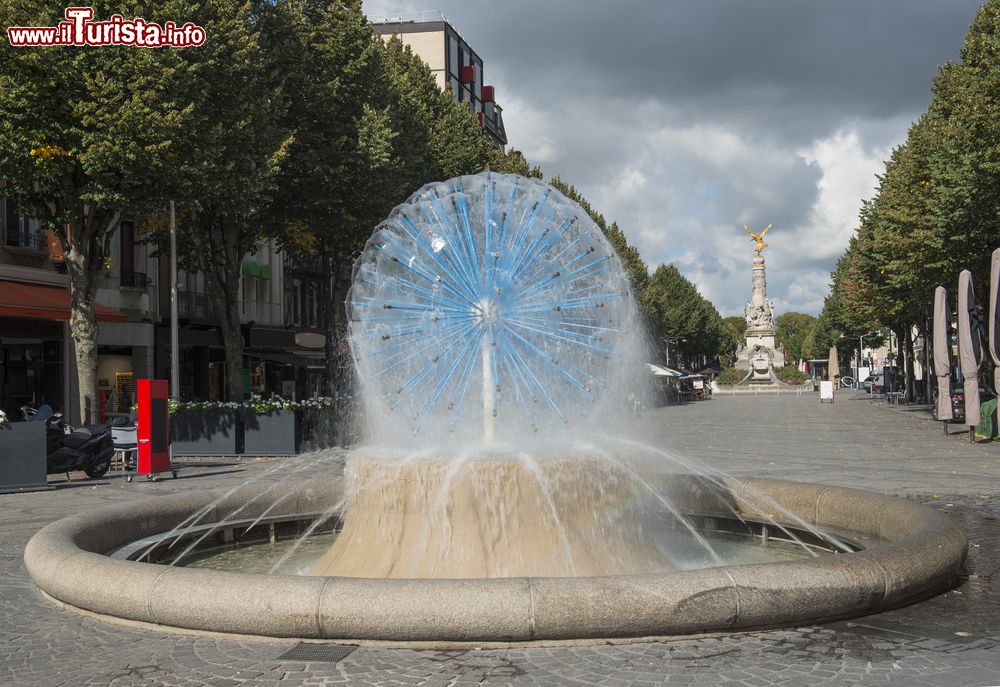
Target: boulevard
[[950, 639]]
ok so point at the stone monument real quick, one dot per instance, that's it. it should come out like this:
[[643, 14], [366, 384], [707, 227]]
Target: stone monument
[[759, 356]]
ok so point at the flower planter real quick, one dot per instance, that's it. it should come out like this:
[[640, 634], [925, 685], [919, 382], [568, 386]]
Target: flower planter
[[22, 457], [283, 428], [204, 433], [277, 433], [216, 433]]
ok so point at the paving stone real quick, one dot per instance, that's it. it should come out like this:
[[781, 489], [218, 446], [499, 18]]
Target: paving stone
[[853, 442]]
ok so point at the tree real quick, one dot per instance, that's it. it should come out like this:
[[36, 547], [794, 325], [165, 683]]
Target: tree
[[370, 127], [790, 330], [514, 162], [937, 206], [819, 338], [638, 275], [330, 186], [738, 323], [965, 170], [684, 317], [232, 150], [85, 134], [734, 338]]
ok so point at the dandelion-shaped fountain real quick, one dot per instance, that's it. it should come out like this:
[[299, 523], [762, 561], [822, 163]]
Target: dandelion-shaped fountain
[[491, 321], [497, 500], [490, 292]]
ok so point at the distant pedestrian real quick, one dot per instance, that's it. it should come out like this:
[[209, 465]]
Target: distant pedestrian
[[634, 404]]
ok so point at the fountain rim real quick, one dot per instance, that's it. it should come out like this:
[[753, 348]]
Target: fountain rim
[[921, 552]]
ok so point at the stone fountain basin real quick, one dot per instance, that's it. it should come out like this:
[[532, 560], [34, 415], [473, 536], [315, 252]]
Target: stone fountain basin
[[920, 550]]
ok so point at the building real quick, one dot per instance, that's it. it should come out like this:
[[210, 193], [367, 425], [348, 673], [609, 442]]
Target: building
[[269, 368], [39, 365], [455, 65], [37, 361]]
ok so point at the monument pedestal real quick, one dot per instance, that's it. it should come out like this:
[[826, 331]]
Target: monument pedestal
[[759, 355]]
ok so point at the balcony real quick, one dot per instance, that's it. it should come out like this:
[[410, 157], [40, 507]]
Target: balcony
[[134, 280], [262, 312], [195, 306], [29, 240]]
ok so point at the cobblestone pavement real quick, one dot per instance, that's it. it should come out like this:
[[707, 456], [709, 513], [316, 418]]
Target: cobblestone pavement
[[951, 640]]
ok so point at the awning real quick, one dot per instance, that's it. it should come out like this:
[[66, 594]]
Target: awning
[[40, 302], [287, 358], [662, 371]]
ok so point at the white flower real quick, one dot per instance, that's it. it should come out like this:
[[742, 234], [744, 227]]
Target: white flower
[[3, 418]]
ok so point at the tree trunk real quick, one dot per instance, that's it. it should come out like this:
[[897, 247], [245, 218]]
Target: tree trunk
[[232, 338], [911, 392], [84, 263], [83, 330], [328, 315], [221, 268]]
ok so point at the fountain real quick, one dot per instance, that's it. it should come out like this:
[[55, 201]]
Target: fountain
[[495, 500]]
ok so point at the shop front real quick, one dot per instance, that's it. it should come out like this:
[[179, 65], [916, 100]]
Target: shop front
[[38, 363]]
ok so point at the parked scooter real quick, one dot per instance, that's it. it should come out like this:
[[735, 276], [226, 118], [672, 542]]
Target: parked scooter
[[88, 448]]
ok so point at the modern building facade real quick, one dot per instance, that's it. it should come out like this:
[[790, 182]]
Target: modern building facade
[[455, 65]]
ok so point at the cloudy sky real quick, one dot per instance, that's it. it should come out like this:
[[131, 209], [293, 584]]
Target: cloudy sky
[[684, 120]]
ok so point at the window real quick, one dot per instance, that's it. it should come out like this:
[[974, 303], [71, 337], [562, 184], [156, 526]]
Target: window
[[16, 225], [127, 234], [297, 303], [129, 276], [313, 307], [453, 57]]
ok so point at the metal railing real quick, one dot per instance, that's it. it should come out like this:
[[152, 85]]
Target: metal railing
[[133, 280], [195, 306], [17, 238], [262, 312], [409, 17]]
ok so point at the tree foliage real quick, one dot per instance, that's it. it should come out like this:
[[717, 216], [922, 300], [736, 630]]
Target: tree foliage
[[936, 209], [682, 316], [85, 133], [291, 122], [231, 153], [791, 329]]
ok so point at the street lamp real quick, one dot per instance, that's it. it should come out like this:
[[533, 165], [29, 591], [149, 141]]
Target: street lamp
[[667, 341], [175, 355], [861, 348]]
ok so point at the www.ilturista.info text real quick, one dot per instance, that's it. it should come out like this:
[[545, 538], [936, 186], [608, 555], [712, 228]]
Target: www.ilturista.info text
[[80, 29]]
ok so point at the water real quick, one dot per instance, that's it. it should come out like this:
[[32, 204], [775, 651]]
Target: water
[[259, 558], [497, 342]]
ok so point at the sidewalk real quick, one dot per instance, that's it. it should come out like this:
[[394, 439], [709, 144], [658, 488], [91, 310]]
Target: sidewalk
[[950, 640]]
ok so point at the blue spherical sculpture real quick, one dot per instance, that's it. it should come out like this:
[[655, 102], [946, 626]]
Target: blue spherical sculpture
[[489, 297]]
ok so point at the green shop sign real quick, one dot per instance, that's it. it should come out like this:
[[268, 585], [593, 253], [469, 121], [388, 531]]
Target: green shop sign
[[256, 269]]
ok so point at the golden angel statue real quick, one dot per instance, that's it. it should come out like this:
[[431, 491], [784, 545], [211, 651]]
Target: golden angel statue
[[759, 238]]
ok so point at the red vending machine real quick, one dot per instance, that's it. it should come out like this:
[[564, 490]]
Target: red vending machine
[[153, 430]]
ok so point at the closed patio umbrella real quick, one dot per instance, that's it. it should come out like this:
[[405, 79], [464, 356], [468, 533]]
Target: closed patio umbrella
[[942, 352], [994, 340], [833, 371], [970, 345]]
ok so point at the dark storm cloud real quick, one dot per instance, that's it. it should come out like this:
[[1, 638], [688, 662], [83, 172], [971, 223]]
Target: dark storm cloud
[[786, 65], [682, 120]]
